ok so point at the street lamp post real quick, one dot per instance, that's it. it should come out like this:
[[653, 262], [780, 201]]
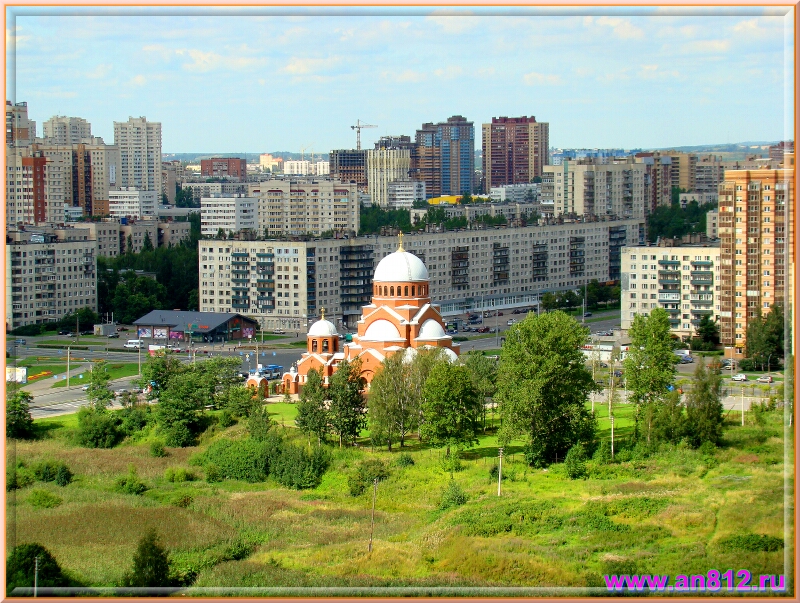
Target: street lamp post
[[499, 470]]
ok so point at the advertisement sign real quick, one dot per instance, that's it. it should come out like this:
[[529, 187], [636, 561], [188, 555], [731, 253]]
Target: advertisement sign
[[248, 332], [18, 374], [145, 333], [160, 333], [176, 334]]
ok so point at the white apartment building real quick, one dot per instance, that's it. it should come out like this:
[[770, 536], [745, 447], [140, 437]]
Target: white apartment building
[[20, 131], [283, 284], [64, 130], [297, 168], [616, 188], [712, 224], [299, 208], [401, 194], [231, 214], [516, 193], [683, 280], [129, 202], [213, 189], [139, 143], [47, 279], [385, 166], [701, 198]]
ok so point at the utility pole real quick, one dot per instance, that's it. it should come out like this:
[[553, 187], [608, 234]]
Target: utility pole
[[36, 576], [612, 437], [499, 470], [742, 404], [139, 350], [67, 367], [372, 526]]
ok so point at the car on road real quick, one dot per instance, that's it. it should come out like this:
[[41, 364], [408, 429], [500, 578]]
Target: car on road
[[511, 321], [63, 332], [121, 329], [483, 330], [279, 332], [765, 379], [603, 365], [452, 332], [587, 314], [739, 377], [20, 342], [686, 359], [120, 392], [618, 373], [85, 388], [113, 335], [600, 382], [87, 332]]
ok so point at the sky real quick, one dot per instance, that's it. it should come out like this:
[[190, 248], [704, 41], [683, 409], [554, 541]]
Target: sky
[[258, 81]]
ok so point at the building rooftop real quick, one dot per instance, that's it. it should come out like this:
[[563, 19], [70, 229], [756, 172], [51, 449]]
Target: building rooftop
[[180, 320]]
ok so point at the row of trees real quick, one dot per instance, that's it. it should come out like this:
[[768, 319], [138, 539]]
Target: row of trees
[[766, 343], [675, 221], [596, 293]]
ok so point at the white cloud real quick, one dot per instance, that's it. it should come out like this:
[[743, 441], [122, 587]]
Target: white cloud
[[654, 72], [99, 72], [306, 66], [533, 79], [450, 72], [138, 80], [453, 22], [409, 76], [621, 28], [203, 62], [701, 46]]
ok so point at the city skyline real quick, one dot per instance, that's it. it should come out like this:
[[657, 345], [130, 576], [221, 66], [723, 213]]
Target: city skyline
[[611, 79]]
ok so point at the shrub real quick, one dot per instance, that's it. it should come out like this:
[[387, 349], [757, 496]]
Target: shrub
[[213, 473], [63, 475], [42, 499], [365, 474], [181, 500], [707, 448], [21, 565], [19, 476], [226, 418], [752, 542], [19, 423], [178, 475], [404, 459], [575, 463], [150, 564], [259, 424], [238, 550], [130, 483], [603, 453], [296, 468], [238, 459], [134, 419], [157, 449], [494, 472], [96, 429], [178, 435], [453, 496], [451, 463]]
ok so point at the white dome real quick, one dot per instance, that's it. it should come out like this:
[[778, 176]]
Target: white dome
[[400, 266], [322, 328], [408, 355], [381, 330], [451, 355], [431, 330]]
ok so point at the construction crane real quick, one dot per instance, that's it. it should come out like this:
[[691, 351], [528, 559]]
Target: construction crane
[[358, 128]]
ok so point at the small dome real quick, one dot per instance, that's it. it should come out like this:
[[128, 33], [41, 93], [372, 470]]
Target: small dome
[[400, 266], [408, 355], [431, 330], [381, 330], [451, 355], [322, 328]]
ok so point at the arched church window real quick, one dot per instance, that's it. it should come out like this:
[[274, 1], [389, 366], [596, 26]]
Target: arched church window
[[314, 345], [413, 291], [324, 345], [406, 291], [392, 291]]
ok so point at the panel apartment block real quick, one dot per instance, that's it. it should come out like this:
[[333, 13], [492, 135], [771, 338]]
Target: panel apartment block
[[233, 168], [229, 214], [515, 150], [139, 143], [64, 130]]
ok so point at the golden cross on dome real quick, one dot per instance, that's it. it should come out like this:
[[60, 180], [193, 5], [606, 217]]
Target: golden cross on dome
[[322, 313], [400, 237]]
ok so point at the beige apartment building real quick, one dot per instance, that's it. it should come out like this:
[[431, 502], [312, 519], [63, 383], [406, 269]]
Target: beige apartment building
[[515, 150], [283, 284], [384, 166], [20, 131], [756, 228], [63, 130], [139, 143], [712, 224], [683, 279], [229, 214]]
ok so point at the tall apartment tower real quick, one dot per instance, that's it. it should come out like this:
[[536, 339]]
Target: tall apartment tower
[[349, 165], [20, 131], [139, 143], [445, 159], [515, 149], [66, 130], [757, 254], [388, 162]]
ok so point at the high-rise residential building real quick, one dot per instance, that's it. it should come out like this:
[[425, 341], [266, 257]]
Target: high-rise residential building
[[297, 167], [26, 187], [709, 172], [139, 143], [48, 278], [683, 170], [232, 168], [712, 224], [66, 130], [515, 150], [386, 165], [445, 158], [105, 166], [269, 163], [169, 181], [212, 189], [777, 151], [756, 229], [681, 278], [599, 189], [58, 184], [349, 165], [130, 202], [657, 183], [230, 214], [297, 208], [20, 131]]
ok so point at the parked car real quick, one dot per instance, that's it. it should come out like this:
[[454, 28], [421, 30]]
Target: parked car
[[20, 342], [728, 363], [499, 313], [618, 373], [85, 388], [585, 314], [452, 332], [87, 332], [686, 359], [119, 392], [739, 377], [511, 321], [70, 334], [279, 332], [122, 329], [113, 335], [603, 365], [765, 379], [483, 330], [600, 382]]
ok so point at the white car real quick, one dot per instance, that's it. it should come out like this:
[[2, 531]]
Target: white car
[[764, 379], [739, 377], [85, 388]]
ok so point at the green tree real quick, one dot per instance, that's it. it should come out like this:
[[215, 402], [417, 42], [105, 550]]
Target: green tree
[[451, 407], [147, 244], [178, 406], [466, 199], [543, 385], [760, 346], [158, 371], [151, 564], [99, 394], [650, 362], [241, 401], [483, 372], [21, 566], [549, 301], [347, 412], [392, 412], [312, 416], [708, 330], [704, 411], [775, 328], [19, 423], [669, 421], [422, 363]]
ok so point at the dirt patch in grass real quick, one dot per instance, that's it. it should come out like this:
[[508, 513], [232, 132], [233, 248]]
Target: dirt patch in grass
[[746, 458]]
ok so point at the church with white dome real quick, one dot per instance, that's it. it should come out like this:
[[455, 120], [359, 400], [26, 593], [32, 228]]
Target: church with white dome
[[401, 318]]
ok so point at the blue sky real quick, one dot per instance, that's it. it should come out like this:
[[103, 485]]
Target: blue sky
[[255, 82]]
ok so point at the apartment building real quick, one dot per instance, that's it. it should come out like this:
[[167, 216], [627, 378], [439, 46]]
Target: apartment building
[[64, 130], [611, 189], [212, 189], [26, 186], [20, 131], [756, 229], [445, 157], [169, 181], [515, 150], [683, 170], [349, 165], [401, 194], [229, 214], [683, 279], [709, 173], [47, 278], [712, 224], [139, 143], [777, 151], [232, 168], [657, 183], [129, 202], [510, 210], [384, 166], [173, 232], [516, 193], [283, 284], [133, 234], [269, 163]]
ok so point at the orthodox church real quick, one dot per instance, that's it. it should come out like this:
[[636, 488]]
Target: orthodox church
[[401, 318]]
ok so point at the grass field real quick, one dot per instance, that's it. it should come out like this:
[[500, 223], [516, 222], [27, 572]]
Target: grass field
[[673, 512], [116, 370]]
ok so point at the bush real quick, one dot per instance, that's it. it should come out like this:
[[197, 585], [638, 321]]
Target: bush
[[18, 477], [46, 471], [575, 463], [134, 419], [21, 564], [130, 483], [451, 463], [296, 468], [752, 542], [150, 564], [707, 448], [42, 499], [178, 435], [404, 459], [237, 459], [453, 496], [259, 424], [365, 474], [181, 500], [157, 449], [178, 475], [603, 453], [213, 473], [63, 475], [19, 423], [96, 429], [226, 418], [238, 550], [494, 472]]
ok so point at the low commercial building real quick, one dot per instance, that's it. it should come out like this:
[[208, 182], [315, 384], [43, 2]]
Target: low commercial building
[[683, 279], [170, 326]]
